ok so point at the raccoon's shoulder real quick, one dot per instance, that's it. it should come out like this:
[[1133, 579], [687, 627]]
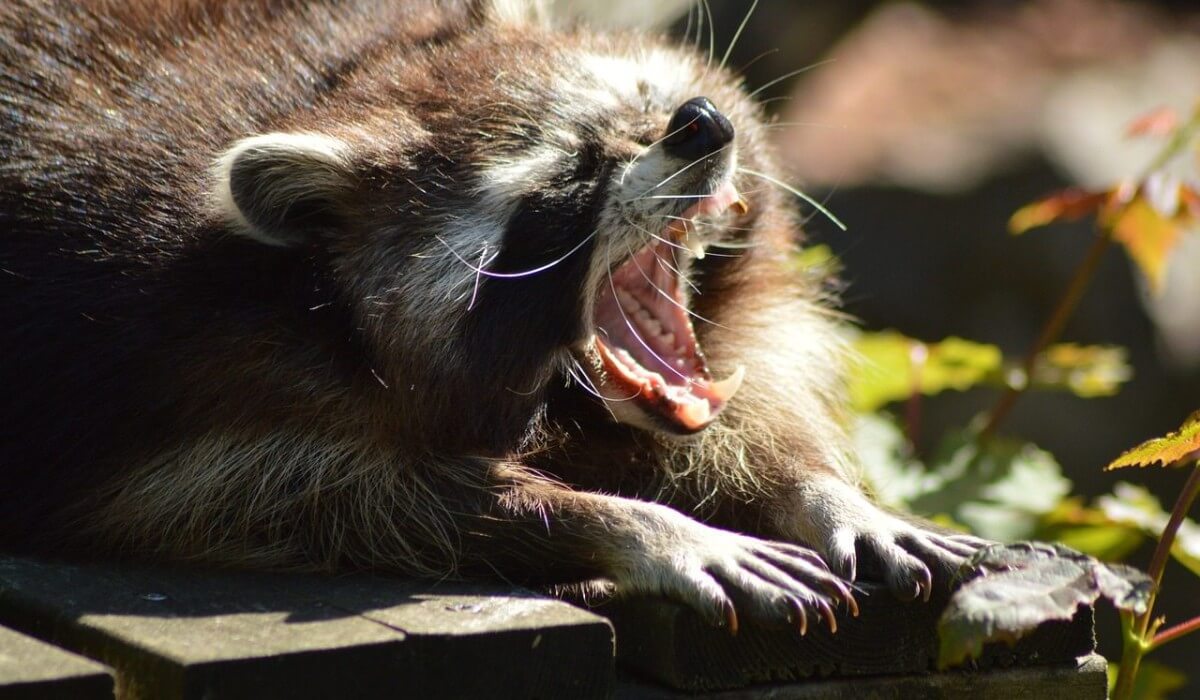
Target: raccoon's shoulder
[[132, 99]]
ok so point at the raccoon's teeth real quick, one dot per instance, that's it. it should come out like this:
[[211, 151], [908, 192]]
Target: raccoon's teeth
[[726, 388], [694, 413]]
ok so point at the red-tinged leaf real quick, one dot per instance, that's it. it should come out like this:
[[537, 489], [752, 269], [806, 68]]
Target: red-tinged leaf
[[1161, 121], [1165, 450], [1147, 236], [1067, 205]]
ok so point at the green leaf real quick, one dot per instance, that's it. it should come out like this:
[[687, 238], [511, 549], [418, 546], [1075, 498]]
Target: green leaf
[[1154, 681], [1085, 370], [999, 489], [1173, 447], [818, 259], [894, 366], [1089, 530], [1027, 585], [1134, 506]]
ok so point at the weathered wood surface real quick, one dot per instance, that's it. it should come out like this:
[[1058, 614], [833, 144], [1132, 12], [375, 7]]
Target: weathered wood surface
[[31, 670], [171, 633], [670, 644], [1082, 679], [183, 634]]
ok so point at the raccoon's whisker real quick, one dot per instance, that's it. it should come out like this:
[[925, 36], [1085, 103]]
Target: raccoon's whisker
[[573, 371], [680, 218], [733, 245], [515, 275], [680, 171], [712, 35], [668, 297], [687, 29], [780, 125], [785, 76], [644, 151], [674, 268], [738, 34], [483, 261], [650, 282], [742, 69], [667, 196], [580, 375], [653, 235], [814, 203], [777, 98], [630, 325]]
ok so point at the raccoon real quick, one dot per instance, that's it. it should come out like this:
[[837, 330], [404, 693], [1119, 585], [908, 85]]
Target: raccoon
[[431, 288]]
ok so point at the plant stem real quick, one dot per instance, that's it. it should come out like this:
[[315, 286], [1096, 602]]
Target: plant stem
[[1175, 145], [1136, 643], [1051, 330], [1163, 551], [1175, 632], [1132, 650]]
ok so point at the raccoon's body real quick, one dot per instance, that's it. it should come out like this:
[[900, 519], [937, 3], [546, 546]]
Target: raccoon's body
[[410, 286]]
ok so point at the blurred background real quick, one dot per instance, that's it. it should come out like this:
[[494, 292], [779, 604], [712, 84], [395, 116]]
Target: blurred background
[[923, 127]]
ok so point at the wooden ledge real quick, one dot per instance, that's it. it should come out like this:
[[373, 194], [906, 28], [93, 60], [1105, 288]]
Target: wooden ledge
[[185, 634], [175, 633], [33, 669], [668, 643]]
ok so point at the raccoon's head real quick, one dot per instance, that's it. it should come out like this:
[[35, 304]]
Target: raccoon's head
[[513, 205]]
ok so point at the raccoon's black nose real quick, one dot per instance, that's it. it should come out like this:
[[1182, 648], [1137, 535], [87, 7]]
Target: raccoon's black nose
[[697, 130]]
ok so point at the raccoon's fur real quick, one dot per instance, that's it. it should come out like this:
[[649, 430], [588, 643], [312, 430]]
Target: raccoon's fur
[[406, 286]]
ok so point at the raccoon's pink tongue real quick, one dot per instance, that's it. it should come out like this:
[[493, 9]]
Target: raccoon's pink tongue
[[648, 347]]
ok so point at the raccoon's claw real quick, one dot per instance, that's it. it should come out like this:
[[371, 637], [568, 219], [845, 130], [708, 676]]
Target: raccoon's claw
[[726, 576], [861, 539]]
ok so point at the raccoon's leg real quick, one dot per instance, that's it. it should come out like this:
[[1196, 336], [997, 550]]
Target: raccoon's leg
[[781, 460], [288, 501], [542, 529], [856, 536]]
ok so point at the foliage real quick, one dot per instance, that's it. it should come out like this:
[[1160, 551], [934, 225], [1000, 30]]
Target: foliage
[[1167, 450], [893, 367], [1006, 489], [1015, 588]]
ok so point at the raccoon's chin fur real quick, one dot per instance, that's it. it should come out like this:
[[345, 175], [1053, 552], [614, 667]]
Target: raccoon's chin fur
[[644, 356]]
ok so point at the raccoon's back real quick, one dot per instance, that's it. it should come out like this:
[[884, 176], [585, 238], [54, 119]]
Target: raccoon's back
[[111, 113]]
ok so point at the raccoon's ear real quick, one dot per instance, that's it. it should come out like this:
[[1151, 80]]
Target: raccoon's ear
[[281, 189]]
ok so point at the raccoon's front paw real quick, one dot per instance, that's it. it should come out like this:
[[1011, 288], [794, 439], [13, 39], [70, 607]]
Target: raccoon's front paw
[[720, 573], [858, 537]]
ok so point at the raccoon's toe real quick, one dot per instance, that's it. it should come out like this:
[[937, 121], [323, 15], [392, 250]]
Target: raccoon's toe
[[860, 540], [726, 576]]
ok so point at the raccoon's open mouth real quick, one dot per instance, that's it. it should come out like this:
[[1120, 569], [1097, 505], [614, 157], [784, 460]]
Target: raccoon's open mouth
[[644, 335]]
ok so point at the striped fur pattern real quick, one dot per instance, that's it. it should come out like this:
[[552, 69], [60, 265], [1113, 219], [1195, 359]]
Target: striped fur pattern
[[310, 285]]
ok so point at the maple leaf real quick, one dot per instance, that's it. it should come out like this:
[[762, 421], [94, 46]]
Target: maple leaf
[[1148, 237], [1166, 450], [1066, 205]]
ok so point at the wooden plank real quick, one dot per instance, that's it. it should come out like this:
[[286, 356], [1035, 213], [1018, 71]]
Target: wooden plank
[[31, 669], [670, 644], [189, 634], [1083, 679]]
